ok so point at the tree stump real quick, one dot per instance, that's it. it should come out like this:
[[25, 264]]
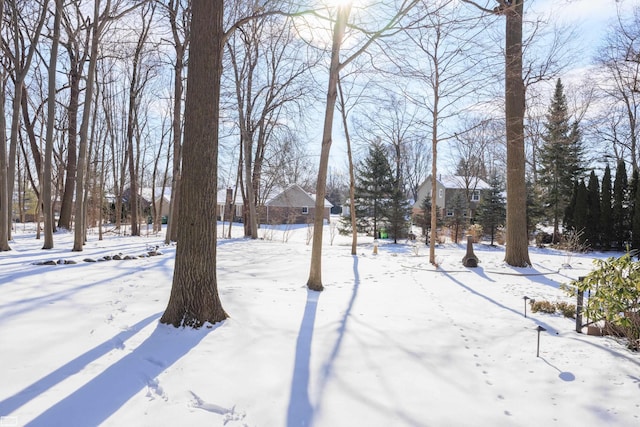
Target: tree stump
[[470, 259]]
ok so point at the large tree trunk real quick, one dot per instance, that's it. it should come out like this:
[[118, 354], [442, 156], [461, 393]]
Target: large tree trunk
[[517, 240], [51, 116], [194, 296], [315, 272]]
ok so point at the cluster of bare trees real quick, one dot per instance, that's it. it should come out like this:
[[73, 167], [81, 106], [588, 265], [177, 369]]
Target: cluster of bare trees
[[115, 116]]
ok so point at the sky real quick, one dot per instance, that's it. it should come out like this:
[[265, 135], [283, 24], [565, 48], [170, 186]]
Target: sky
[[391, 341]]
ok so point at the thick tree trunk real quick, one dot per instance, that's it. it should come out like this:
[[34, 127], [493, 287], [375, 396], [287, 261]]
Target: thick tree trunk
[[194, 296], [517, 240], [315, 271]]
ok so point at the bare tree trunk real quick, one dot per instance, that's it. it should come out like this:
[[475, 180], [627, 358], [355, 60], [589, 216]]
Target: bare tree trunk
[[47, 209], [180, 47], [315, 272], [434, 188], [194, 296], [352, 178], [4, 188], [80, 225], [517, 240], [21, 63]]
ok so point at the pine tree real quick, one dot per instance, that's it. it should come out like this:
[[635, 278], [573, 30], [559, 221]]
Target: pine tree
[[459, 206], [560, 158], [635, 226], [606, 225], [397, 214], [591, 231], [374, 186], [492, 212], [569, 220], [619, 214], [580, 210], [423, 219]]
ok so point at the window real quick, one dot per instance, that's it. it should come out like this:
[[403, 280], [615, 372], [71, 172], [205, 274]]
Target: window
[[305, 210], [449, 212], [475, 196], [440, 193]]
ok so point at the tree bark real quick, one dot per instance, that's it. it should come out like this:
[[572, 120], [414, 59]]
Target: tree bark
[[194, 298], [51, 117], [315, 272], [517, 240], [80, 220]]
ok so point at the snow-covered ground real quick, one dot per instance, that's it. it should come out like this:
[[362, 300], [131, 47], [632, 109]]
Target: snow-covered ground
[[390, 342]]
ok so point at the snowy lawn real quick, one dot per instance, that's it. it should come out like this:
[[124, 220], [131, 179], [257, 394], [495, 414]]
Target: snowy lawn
[[390, 342]]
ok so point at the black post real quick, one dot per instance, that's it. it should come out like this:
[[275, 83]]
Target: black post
[[525, 298]]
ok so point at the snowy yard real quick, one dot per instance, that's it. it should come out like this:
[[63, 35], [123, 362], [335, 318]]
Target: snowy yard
[[390, 342]]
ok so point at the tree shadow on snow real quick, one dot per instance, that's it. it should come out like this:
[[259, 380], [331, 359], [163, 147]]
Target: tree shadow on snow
[[538, 322], [74, 366], [97, 400], [300, 411]]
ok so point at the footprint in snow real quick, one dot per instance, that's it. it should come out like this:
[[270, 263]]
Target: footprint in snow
[[228, 414]]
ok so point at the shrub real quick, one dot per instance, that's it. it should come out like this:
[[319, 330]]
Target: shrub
[[543, 306], [566, 309], [615, 295]]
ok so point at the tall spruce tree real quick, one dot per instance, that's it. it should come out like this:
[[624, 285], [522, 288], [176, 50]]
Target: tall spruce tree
[[569, 221], [619, 211], [606, 225], [374, 186], [591, 231], [492, 210], [635, 225], [398, 211], [560, 158], [580, 210]]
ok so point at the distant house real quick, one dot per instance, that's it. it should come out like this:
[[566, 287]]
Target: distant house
[[229, 208], [292, 206], [162, 198], [473, 189]]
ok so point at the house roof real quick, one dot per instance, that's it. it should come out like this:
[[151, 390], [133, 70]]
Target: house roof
[[295, 196], [148, 191], [460, 182], [222, 197]]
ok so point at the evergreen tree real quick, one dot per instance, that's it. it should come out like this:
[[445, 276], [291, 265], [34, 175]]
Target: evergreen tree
[[633, 186], [535, 210], [606, 226], [635, 226], [492, 212], [619, 214], [459, 206], [569, 220], [560, 158], [591, 231], [374, 186], [580, 211], [397, 213], [423, 219]]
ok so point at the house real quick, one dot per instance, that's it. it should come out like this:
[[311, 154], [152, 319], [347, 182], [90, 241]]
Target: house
[[227, 204], [292, 206], [162, 198], [473, 190]]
